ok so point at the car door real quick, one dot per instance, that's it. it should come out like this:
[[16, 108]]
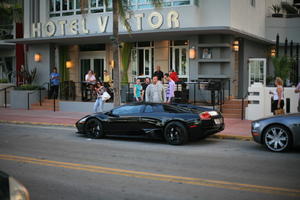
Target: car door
[[151, 118], [124, 120]]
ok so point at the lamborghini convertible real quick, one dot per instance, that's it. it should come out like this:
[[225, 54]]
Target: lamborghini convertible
[[176, 123]]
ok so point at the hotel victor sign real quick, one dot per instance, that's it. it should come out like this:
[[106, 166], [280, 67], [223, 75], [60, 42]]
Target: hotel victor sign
[[99, 24]]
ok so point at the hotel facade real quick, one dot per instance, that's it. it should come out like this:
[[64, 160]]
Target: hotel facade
[[231, 39]]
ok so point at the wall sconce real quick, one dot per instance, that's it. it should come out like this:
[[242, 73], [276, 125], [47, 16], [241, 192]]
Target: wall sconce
[[112, 64], [273, 52], [69, 64], [37, 57], [236, 45], [192, 53]]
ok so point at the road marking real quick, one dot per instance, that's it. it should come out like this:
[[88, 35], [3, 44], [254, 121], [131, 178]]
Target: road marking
[[155, 176], [40, 126]]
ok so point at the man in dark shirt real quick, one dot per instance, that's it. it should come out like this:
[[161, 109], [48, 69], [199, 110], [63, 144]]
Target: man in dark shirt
[[145, 85], [158, 73]]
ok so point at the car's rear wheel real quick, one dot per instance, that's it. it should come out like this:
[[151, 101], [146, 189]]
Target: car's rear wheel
[[94, 129], [277, 138], [175, 133]]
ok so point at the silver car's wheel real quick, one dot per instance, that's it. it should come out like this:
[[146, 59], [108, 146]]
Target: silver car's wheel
[[277, 138]]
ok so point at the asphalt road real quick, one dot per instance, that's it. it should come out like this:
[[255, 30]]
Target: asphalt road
[[54, 163]]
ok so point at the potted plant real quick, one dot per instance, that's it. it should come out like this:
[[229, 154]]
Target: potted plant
[[282, 67], [276, 11], [19, 96]]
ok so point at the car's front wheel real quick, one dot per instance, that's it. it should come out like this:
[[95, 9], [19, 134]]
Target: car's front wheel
[[175, 133], [277, 138], [94, 129]]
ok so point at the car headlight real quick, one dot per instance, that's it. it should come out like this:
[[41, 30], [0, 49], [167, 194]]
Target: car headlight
[[17, 191], [255, 125], [82, 120]]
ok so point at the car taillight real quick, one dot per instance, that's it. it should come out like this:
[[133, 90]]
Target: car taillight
[[205, 116]]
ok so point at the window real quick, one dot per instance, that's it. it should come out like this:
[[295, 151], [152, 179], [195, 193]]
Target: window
[[130, 109], [179, 57], [72, 7], [142, 59], [145, 4], [257, 70]]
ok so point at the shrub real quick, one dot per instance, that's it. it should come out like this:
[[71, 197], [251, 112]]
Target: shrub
[[4, 80], [28, 87]]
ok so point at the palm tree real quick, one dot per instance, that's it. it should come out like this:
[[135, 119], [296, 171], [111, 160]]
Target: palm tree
[[120, 8]]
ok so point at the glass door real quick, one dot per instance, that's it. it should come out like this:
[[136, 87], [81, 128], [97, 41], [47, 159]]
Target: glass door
[[141, 62], [92, 61], [257, 70], [179, 60]]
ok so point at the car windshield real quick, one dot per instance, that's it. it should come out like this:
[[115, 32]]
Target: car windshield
[[128, 109]]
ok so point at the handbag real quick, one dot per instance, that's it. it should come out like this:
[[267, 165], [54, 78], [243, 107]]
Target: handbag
[[105, 96], [279, 111]]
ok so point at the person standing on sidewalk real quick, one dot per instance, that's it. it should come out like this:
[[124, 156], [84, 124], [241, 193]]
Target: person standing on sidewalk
[[155, 92], [278, 97], [54, 83], [145, 85], [137, 90], [100, 89], [158, 73], [171, 88], [297, 90]]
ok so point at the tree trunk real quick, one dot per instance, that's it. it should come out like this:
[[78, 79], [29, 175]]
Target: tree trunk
[[115, 50]]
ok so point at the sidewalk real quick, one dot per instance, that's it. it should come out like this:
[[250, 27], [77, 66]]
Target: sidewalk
[[234, 128]]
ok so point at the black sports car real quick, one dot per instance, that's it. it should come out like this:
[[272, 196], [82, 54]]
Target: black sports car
[[175, 123]]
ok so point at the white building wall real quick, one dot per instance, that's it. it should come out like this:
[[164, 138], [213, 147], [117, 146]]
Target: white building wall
[[247, 18]]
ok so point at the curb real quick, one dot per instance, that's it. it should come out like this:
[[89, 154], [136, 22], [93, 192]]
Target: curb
[[232, 137], [36, 123], [218, 136]]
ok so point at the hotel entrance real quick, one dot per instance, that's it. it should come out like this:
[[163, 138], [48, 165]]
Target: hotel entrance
[[94, 61]]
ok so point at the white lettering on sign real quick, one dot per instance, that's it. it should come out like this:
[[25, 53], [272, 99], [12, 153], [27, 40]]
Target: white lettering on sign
[[37, 29], [172, 19], [154, 20], [50, 28], [157, 17], [62, 26], [74, 27], [84, 29], [139, 18], [102, 23]]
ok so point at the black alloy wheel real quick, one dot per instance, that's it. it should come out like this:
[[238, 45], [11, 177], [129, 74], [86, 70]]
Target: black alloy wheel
[[94, 129], [277, 138], [175, 133]]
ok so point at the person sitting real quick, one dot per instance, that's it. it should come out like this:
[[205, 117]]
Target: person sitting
[[107, 79], [90, 77], [90, 81]]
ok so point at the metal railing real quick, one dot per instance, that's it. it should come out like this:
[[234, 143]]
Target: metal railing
[[5, 94], [40, 94], [243, 106]]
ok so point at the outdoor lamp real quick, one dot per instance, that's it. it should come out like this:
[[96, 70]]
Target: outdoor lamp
[[236, 45], [37, 57], [192, 53], [112, 63], [273, 52], [69, 64]]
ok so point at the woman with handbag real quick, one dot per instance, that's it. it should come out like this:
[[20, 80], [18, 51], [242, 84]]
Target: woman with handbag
[[100, 90], [278, 97]]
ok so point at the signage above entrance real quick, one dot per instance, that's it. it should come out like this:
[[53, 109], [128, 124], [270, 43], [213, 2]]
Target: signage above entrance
[[76, 26]]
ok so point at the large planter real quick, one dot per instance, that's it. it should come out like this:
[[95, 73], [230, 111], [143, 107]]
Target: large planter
[[19, 98], [2, 93]]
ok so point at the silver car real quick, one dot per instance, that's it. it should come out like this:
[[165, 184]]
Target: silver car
[[277, 133]]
